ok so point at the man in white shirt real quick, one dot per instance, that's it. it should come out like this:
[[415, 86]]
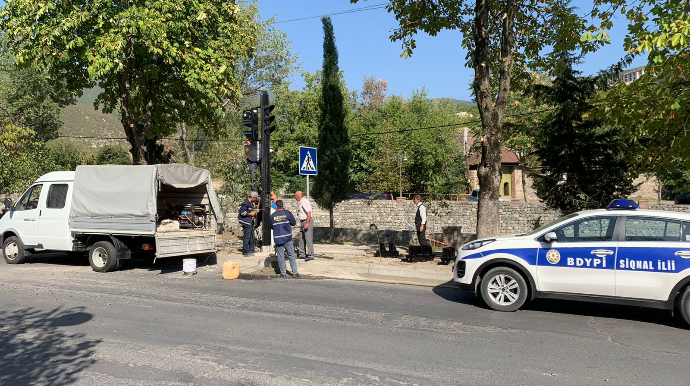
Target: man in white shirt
[[252, 150], [306, 234], [420, 220]]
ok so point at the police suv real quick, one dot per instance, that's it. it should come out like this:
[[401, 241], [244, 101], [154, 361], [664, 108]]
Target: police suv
[[620, 255]]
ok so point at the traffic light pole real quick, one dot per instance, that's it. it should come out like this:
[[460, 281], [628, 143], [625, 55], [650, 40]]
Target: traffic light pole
[[266, 129]]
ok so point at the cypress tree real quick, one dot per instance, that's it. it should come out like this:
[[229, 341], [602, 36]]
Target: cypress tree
[[584, 161], [331, 185]]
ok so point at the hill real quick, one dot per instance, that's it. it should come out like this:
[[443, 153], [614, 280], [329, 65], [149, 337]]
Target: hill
[[82, 120]]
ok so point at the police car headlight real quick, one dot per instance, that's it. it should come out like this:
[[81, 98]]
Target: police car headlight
[[476, 244]]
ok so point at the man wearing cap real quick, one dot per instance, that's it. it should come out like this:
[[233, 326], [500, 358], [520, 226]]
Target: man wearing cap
[[245, 219], [252, 150], [282, 222]]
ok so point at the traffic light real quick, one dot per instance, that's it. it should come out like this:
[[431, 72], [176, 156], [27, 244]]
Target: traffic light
[[266, 117], [250, 119]]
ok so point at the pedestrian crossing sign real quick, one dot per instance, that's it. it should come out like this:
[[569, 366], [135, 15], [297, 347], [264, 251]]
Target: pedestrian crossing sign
[[307, 161]]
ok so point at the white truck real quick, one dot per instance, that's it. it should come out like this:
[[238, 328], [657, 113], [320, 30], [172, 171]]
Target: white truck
[[113, 211]]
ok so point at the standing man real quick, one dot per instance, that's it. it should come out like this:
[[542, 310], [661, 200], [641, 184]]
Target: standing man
[[420, 220], [306, 234], [252, 150], [282, 222], [245, 219]]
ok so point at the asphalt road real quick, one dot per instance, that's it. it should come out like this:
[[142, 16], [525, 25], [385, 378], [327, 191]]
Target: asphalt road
[[62, 324]]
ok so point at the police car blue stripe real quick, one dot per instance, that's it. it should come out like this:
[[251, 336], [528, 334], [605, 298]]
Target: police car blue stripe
[[529, 255]]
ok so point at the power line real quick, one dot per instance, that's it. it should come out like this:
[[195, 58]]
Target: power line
[[361, 9], [445, 126], [354, 135], [162, 138]]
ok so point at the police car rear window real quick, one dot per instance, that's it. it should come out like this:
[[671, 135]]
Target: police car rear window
[[652, 229]]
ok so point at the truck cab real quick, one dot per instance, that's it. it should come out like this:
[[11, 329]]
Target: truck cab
[[39, 219]]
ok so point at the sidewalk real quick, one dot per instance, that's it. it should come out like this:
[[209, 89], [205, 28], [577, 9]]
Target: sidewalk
[[347, 262]]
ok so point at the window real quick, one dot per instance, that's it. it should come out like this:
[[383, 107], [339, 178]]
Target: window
[[686, 231], [30, 199], [57, 195], [651, 229], [588, 229], [506, 189]]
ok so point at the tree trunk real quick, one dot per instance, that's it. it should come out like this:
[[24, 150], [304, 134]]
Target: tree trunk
[[187, 149], [489, 172], [332, 230], [135, 140]]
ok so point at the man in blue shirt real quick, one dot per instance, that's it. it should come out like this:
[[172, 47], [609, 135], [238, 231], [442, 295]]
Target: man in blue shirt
[[282, 222], [245, 219]]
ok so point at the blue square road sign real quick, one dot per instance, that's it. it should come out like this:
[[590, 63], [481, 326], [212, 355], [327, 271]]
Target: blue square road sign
[[307, 161]]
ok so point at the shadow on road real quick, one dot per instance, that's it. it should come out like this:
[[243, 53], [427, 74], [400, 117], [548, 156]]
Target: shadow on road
[[449, 291], [632, 313], [58, 258], [34, 350], [164, 265], [452, 293]]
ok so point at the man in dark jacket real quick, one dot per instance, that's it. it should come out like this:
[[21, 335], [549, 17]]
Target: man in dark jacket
[[245, 219], [282, 222]]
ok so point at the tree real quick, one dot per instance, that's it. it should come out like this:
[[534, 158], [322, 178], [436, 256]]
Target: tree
[[159, 62], [584, 162], [331, 185], [373, 93], [503, 38], [267, 68], [653, 110]]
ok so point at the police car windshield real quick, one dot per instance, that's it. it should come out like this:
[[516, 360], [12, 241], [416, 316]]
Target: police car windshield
[[541, 228]]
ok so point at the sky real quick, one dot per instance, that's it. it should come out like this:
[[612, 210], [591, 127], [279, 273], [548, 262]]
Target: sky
[[365, 49]]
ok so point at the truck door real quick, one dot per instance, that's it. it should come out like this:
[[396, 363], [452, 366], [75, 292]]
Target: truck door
[[53, 226], [25, 214]]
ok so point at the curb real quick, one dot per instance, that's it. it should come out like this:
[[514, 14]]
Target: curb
[[410, 275]]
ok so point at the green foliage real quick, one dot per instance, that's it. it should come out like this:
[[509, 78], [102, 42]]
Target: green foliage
[[583, 160], [112, 155], [297, 121], [653, 110], [159, 62], [429, 133], [332, 183]]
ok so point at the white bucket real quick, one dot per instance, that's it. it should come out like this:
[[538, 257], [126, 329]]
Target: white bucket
[[189, 266]]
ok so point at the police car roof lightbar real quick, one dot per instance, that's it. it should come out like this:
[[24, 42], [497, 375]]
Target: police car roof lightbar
[[623, 204]]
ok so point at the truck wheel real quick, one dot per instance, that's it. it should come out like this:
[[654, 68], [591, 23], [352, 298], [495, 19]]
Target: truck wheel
[[103, 256], [684, 306], [12, 251], [503, 289]]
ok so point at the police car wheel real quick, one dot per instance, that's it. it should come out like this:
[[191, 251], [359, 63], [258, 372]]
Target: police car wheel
[[684, 306], [503, 289]]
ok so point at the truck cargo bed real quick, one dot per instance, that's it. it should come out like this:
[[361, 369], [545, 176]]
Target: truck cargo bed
[[185, 242]]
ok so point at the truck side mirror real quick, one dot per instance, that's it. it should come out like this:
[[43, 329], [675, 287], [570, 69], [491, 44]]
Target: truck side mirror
[[550, 237], [8, 204]]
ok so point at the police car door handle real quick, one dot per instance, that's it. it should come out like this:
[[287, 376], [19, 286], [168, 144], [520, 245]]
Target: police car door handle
[[602, 252], [683, 254]]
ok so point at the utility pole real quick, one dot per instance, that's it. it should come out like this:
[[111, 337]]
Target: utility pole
[[266, 130]]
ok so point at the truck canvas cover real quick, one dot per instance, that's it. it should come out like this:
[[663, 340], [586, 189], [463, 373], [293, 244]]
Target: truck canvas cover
[[122, 199]]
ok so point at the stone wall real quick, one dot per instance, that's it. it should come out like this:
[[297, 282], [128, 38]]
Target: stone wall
[[452, 222], [448, 221]]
